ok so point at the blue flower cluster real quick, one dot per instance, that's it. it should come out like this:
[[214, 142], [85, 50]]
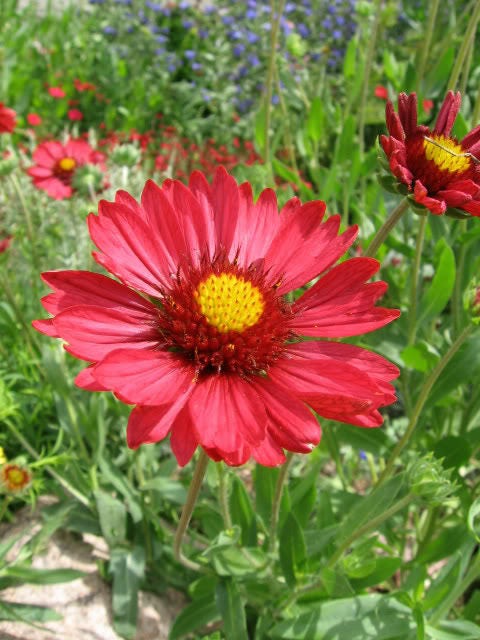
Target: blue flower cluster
[[183, 39]]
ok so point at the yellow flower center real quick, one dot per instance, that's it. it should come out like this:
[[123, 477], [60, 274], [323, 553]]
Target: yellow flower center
[[229, 303], [16, 477], [447, 154], [3, 457], [67, 164]]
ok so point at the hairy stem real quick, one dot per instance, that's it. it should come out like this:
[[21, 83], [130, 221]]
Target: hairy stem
[[385, 229]]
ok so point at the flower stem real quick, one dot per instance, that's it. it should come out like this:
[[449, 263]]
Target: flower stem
[[188, 507], [223, 495], [282, 476], [276, 13], [29, 226], [412, 312], [432, 16], [457, 291], [422, 398], [471, 575], [385, 229], [372, 41], [464, 47]]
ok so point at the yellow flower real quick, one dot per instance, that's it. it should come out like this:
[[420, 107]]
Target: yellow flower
[[14, 478]]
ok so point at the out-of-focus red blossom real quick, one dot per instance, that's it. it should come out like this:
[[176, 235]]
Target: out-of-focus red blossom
[[381, 92], [56, 164], [56, 92], [211, 349], [83, 86], [34, 120], [427, 106], [439, 171], [5, 243], [73, 103], [74, 115], [8, 120]]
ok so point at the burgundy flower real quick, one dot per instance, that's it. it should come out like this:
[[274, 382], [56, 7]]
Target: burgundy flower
[[440, 172], [198, 333]]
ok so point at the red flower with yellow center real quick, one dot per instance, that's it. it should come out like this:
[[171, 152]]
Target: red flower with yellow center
[[56, 164], [14, 478], [199, 333], [441, 172]]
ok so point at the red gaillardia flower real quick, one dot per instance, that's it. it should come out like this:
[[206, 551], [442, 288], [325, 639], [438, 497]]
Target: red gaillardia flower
[[34, 120], [56, 164], [381, 92], [14, 478], [5, 243], [56, 92], [74, 114], [442, 173], [210, 349], [7, 119]]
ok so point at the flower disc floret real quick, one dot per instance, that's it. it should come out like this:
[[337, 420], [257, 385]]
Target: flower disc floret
[[202, 331], [14, 478]]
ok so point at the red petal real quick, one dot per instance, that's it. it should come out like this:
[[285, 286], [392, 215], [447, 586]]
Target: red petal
[[182, 438], [152, 424], [448, 113]]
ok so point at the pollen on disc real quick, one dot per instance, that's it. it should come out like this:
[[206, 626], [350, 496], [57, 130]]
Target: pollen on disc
[[229, 303]]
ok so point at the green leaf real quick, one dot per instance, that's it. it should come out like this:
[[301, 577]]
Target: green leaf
[[384, 568], [316, 120], [260, 129], [127, 568], [195, 616], [242, 512], [265, 481], [420, 357], [292, 550], [454, 630], [346, 140], [21, 575], [18, 612], [371, 506], [454, 450], [350, 58], [230, 605], [440, 290], [317, 540], [231, 562], [367, 617], [113, 517], [168, 489], [473, 519], [121, 484]]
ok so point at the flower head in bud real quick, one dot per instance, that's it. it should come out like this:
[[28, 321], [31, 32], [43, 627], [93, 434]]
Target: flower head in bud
[[126, 155], [472, 302], [430, 481], [296, 45], [87, 179]]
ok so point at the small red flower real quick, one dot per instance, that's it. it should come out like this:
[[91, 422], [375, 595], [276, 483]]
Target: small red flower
[[440, 171], [211, 349], [83, 86], [56, 92], [34, 119], [427, 106], [5, 243], [7, 119], [56, 164], [381, 92], [14, 478], [75, 115]]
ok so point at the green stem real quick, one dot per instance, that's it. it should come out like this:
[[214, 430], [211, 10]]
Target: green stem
[[422, 398], [332, 445], [472, 574], [368, 526], [385, 229], [412, 312], [476, 109], [64, 483], [4, 506], [193, 491], [464, 47], [28, 333], [432, 16], [371, 48], [286, 126], [275, 13], [29, 226], [282, 476], [457, 291], [223, 495]]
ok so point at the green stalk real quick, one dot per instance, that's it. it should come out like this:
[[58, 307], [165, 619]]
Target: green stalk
[[432, 16], [385, 229], [457, 291], [358, 533], [372, 43], [223, 495], [276, 13], [476, 109], [472, 574], [29, 226], [193, 491], [412, 312], [282, 476], [332, 445], [464, 47], [422, 398]]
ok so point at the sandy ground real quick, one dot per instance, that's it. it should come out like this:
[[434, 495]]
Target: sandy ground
[[85, 603]]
